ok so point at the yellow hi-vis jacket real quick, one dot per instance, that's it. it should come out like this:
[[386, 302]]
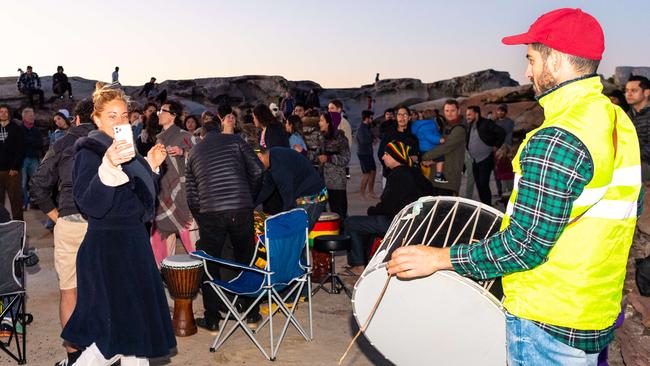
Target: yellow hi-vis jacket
[[580, 285]]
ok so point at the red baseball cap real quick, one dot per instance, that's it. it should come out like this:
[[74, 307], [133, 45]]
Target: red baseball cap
[[567, 30]]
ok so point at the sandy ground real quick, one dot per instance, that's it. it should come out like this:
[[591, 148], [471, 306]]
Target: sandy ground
[[334, 325]]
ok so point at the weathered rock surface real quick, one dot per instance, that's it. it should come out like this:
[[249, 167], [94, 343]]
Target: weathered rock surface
[[622, 73]]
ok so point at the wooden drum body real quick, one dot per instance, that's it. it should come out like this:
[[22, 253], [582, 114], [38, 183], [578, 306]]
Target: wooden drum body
[[182, 275], [329, 223]]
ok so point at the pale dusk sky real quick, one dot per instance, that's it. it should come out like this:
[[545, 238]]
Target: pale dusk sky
[[334, 43]]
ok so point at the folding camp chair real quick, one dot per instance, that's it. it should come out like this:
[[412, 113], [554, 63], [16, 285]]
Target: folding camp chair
[[287, 270], [12, 287]]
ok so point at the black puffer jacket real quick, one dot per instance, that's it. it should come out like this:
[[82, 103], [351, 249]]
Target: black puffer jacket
[[641, 121], [55, 174], [223, 174]]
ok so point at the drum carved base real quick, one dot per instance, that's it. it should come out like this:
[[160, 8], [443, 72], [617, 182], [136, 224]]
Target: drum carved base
[[183, 320]]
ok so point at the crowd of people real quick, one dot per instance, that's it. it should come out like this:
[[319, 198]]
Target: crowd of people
[[198, 179]]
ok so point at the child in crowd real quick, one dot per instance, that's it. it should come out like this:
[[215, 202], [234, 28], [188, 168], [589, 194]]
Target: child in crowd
[[428, 135]]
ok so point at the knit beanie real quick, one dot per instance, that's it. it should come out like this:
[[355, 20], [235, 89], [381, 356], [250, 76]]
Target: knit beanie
[[400, 152]]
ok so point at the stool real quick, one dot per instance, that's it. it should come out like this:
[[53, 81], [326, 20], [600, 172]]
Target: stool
[[332, 244]]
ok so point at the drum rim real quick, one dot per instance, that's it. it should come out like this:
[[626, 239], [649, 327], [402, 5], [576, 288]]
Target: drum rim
[[190, 262], [333, 216]]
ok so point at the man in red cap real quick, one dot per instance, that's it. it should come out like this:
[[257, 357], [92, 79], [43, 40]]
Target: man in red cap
[[564, 240]]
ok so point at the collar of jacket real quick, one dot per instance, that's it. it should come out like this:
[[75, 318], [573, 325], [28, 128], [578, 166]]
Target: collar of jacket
[[171, 130], [642, 112], [566, 93]]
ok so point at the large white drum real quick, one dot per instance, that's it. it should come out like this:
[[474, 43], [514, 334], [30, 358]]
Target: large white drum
[[443, 319]]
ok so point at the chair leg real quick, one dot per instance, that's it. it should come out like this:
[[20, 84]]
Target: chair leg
[[311, 327], [270, 299], [240, 321], [332, 274]]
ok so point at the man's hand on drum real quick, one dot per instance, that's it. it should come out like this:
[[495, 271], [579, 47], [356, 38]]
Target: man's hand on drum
[[413, 261], [117, 153]]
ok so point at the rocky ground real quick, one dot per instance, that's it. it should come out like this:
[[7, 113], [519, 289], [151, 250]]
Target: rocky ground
[[334, 324]]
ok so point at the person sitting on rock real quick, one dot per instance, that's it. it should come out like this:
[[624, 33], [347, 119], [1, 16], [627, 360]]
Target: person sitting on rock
[[404, 185], [60, 84], [29, 84], [153, 93]]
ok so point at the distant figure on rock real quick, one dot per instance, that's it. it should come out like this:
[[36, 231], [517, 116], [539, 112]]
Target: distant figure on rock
[[287, 104], [29, 84], [152, 92], [115, 76], [60, 84], [377, 77], [312, 101]]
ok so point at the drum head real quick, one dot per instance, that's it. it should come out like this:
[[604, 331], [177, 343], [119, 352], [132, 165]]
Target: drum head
[[443, 320], [181, 261]]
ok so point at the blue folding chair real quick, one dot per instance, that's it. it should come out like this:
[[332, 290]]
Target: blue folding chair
[[288, 269], [12, 287]]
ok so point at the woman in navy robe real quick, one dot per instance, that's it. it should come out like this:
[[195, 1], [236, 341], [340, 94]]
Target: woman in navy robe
[[121, 310]]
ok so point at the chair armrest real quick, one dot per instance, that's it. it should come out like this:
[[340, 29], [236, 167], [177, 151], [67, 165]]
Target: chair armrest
[[206, 257]]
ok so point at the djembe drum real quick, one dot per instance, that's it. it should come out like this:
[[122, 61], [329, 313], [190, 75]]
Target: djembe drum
[[451, 319], [182, 275], [329, 223]]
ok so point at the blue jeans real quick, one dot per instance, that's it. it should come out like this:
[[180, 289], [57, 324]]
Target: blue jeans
[[29, 169], [529, 344]]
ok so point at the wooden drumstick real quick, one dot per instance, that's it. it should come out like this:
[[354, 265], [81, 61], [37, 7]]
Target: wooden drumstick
[[365, 325], [372, 313]]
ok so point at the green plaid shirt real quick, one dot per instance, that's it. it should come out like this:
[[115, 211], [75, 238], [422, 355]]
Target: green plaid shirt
[[556, 168]]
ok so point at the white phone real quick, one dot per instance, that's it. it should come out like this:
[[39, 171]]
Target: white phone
[[124, 133]]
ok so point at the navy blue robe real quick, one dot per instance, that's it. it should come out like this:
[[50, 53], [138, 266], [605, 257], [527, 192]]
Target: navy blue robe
[[121, 304]]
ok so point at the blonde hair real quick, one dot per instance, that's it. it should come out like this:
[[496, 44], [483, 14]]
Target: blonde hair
[[105, 93]]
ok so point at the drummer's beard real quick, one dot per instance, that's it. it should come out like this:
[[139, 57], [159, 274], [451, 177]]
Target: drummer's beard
[[544, 81]]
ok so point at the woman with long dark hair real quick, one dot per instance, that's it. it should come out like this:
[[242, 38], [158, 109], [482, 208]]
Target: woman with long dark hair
[[333, 157], [293, 126], [272, 132]]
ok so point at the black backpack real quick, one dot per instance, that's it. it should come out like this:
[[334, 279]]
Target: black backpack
[[642, 276], [490, 133]]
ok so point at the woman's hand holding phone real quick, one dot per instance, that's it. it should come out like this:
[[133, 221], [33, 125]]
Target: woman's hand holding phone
[[120, 152]]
